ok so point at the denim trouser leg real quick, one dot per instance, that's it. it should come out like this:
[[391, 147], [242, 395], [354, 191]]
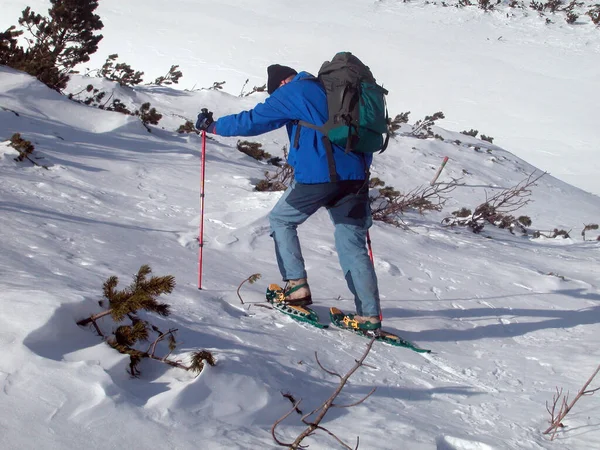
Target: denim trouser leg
[[348, 205], [350, 241], [284, 220]]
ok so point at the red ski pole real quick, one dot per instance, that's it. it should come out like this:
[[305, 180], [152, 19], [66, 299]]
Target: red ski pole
[[370, 248], [201, 231], [372, 262]]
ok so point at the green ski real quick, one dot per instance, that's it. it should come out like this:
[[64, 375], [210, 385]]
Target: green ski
[[337, 318], [276, 297]]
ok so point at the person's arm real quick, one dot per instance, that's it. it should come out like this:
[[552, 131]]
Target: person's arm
[[264, 117]]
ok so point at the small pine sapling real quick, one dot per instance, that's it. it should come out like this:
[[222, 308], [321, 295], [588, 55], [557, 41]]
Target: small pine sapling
[[187, 127], [396, 123], [141, 295], [463, 212], [120, 72], [217, 86], [488, 5], [171, 77], [422, 128], [590, 227], [471, 132], [25, 149], [561, 233], [571, 17], [118, 106], [148, 115], [594, 14], [262, 88], [253, 149]]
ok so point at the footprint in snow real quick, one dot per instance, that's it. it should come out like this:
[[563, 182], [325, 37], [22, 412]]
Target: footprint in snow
[[392, 269]]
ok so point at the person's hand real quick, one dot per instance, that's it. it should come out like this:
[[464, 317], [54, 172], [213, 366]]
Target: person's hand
[[205, 120]]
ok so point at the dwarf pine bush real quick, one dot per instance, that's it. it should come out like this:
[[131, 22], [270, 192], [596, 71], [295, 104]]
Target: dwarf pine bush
[[55, 43], [124, 307]]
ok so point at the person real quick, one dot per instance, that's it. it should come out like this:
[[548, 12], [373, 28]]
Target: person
[[325, 175]]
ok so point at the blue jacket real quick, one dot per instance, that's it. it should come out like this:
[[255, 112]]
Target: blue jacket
[[301, 99]]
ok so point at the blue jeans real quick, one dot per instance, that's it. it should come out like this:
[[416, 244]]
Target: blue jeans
[[348, 206]]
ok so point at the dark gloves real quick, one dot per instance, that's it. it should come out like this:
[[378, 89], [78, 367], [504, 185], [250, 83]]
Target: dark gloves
[[205, 121]]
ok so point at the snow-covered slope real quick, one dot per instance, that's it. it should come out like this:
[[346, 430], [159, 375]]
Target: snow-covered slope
[[509, 318], [505, 73]]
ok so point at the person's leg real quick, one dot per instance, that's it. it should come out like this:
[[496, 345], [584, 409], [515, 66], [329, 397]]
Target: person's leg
[[351, 216], [296, 205]]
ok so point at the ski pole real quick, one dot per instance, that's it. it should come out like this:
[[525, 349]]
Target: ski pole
[[372, 262], [370, 248], [437, 174], [201, 231]]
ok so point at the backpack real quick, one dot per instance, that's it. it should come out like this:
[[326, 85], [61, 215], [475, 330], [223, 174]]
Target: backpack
[[358, 118]]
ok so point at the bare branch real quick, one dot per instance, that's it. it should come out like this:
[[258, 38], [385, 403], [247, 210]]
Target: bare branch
[[251, 279], [281, 419], [388, 205], [556, 421], [330, 372], [324, 408], [358, 402], [497, 208], [335, 437], [160, 337], [591, 391]]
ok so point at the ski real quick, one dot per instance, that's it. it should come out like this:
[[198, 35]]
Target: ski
[[276, 297], [380, 335], [303, 314]]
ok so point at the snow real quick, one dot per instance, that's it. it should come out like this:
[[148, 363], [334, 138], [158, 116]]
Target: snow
[[509, 318]]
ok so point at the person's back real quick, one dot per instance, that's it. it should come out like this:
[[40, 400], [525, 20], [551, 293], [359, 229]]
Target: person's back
[[303, 98]]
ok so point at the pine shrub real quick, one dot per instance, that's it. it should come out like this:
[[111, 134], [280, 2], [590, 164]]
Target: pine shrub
[[422, 128], [125, 305], [253, 149], [187, 127], [171, 77], [56, 43], [396, 123], [594, 14], [25, 149], [121, 73], [471, 132]]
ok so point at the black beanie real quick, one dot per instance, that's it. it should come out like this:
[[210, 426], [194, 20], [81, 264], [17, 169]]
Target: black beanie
[[276, 74]]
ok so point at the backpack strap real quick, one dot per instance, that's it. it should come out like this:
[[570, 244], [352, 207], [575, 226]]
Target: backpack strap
[[326, 143], [330, 159]]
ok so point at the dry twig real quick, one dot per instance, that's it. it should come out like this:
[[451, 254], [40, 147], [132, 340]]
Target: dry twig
[[324, 407], [390, 204], [565, 407], [251, 279], [497, 208]]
